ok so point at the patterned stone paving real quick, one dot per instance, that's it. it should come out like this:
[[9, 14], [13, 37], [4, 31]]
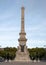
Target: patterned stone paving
[[23, 63]]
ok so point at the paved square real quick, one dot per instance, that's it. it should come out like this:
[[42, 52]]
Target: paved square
[[23, 63]]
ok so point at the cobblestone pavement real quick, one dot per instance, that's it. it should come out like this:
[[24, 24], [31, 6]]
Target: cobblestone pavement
[[23, 63]]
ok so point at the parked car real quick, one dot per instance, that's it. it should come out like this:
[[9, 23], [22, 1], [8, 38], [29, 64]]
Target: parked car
[[1, 59]]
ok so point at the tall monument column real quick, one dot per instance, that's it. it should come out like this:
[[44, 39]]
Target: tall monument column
[[22, 40], [22, 52], [22, 20]]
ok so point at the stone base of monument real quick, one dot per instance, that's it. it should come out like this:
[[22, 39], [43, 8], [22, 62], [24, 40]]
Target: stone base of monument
[[22, 56]]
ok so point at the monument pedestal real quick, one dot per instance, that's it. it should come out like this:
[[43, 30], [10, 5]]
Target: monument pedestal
[[22, 56]]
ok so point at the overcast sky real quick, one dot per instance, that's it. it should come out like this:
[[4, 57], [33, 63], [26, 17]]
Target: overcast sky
[[35, 22]]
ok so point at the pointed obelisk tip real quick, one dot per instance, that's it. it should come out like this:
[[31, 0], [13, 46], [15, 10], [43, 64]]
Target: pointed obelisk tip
[[22, 4]]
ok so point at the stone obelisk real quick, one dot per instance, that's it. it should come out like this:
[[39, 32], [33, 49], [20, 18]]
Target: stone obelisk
[[22, 52]]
